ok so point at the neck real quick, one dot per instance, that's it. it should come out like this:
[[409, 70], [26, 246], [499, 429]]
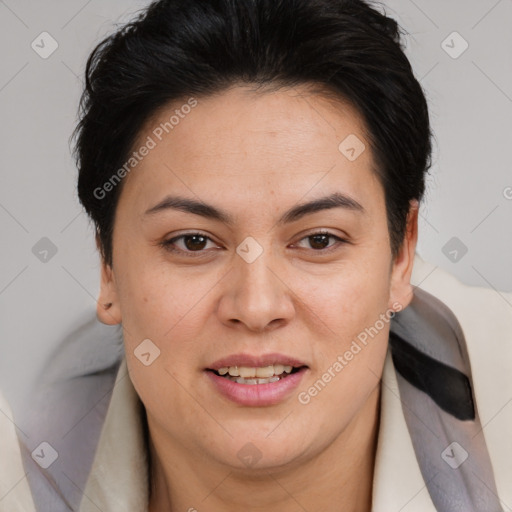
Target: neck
[[338, 478]]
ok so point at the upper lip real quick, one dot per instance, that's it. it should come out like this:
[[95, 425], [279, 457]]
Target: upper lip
[[251, 361]]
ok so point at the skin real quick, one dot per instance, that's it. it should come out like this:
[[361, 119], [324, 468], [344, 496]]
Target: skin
[[255, 155]]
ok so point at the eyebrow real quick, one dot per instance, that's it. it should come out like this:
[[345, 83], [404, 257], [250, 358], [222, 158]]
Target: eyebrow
[[335, 200]]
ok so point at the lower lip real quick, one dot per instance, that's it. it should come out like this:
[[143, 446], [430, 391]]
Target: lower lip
[[255, 395]]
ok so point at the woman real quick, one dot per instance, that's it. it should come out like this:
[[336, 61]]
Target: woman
[[253, 169]]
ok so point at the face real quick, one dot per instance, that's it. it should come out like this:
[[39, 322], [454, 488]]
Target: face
[[247, 237]]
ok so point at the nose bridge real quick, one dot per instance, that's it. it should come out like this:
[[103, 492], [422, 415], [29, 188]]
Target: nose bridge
[[258, 297], [254, 273]]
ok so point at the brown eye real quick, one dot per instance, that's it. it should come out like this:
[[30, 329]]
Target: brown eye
[[194, 242], [187, 244], [320, 242]]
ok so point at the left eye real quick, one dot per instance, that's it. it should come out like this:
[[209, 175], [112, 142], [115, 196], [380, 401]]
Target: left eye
[[320, 241], [196, 242]]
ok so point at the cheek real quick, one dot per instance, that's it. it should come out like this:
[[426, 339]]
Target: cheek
[[352, 306], [156, 302], [166, 308], [349, 299], [351, 356]]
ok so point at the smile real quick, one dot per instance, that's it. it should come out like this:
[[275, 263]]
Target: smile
[[251, 376], [256, 381]]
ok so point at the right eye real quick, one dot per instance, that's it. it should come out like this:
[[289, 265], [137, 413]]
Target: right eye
[[190, 243]]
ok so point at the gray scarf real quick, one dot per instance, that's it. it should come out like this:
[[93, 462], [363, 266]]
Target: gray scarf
[[434, 378]]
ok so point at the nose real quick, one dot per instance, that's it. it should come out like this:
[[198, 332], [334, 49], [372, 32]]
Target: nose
[[256, 296]]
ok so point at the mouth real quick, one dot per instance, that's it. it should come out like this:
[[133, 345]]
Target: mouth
[[256, 375], [256, 380]]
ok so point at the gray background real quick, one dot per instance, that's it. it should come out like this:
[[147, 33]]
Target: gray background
[[468, 204]]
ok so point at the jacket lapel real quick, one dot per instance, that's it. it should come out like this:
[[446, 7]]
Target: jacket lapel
[[119, 478]]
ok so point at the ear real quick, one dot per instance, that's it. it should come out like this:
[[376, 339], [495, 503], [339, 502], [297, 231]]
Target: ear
[[107, 308], [401, 290]]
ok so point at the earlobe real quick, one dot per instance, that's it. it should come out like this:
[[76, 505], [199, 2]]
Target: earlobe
[[401, 291], [108, 307]]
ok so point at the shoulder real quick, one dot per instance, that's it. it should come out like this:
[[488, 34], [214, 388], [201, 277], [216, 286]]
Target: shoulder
[[65, 411], [484, 316], [15, 495]]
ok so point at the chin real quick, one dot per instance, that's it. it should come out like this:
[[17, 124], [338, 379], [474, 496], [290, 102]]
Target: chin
[[255, 453]]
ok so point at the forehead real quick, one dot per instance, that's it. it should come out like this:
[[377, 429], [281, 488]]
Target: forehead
[[282, 142]]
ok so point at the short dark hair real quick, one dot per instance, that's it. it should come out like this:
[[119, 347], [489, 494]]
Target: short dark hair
[[175, 49]]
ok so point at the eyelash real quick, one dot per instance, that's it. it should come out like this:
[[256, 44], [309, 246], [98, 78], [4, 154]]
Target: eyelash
[[167, 244]]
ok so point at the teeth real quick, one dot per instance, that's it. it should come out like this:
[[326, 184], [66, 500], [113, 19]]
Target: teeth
[[265, 372], [241, 380], [278, 369], [246, 372]]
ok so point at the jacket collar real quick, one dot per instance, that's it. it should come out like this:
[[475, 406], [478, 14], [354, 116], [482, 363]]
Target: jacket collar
[[119, 475]]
